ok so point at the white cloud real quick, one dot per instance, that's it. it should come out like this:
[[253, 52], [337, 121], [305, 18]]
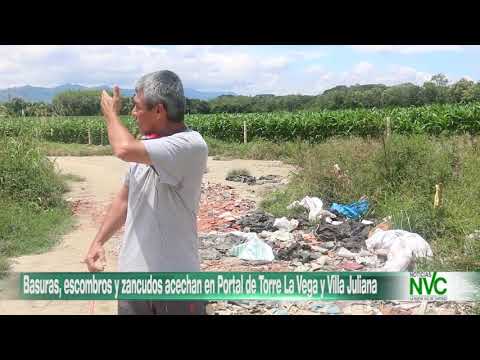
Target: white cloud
[[363, 73], [242, 69], [233, 68], [406, 49], [362, 68]]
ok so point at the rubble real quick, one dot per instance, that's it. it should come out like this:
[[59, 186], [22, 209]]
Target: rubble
[[252, 180], [350, 234], [285, 224], [297, 245], [220, 208], [256, 221]]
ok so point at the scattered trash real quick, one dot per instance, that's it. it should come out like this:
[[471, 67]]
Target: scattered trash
[[230, 232], [309, 237], [342, 252], [370, 260], [386, 224], [253, 249], [472, 243], [285, 224], [216, 246], [315, 207], [350, 234], [403, 248], [268, 179], [281, 236], [297, 252], [333, 310], [360, 309], [328, 220], [250, 180], [256, 221], [351, 266], [352, 211], [279, 312], [322, 260], [316, 307], [319, 249], [329, 245]]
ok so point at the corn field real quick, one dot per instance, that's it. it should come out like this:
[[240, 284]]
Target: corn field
[[279, 126]]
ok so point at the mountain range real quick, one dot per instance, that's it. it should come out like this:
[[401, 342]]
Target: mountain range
[[37, 93]]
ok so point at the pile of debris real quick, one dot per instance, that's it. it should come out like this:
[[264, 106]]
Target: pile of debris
[[252, 180], [234, 236], [220, 207], [346, 243], [378, 307]]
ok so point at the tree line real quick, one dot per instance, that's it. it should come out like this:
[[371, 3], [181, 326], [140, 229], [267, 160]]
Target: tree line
[[435, 91]]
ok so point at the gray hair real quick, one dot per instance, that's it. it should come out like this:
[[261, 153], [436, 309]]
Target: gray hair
[[163, 87]]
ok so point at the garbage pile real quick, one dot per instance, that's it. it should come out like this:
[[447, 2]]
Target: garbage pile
[[252, 180], [340, 240], [234, 236], [339, 308]]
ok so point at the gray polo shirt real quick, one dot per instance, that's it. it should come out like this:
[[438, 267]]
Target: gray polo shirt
[[163, 199]]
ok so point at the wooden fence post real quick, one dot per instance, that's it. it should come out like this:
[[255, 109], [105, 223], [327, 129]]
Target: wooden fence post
[[388, 130], [244, 131], [437, 202], [89, 137]]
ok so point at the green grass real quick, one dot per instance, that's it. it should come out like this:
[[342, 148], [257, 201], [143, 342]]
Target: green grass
[[61, 149], [257, 150], [72, 177], [26, 229], [33, 213]]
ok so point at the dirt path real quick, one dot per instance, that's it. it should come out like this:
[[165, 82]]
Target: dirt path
[[103, 177]]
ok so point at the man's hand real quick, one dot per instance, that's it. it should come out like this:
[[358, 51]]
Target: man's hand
[[111, 105], [96, 260]]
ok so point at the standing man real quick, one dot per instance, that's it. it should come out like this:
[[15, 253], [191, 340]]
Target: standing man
[[160, 196]]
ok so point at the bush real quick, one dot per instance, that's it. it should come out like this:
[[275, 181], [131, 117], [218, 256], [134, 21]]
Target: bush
[[27, 175], [32, 211]]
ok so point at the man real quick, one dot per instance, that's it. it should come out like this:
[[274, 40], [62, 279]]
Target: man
[[159, 199]]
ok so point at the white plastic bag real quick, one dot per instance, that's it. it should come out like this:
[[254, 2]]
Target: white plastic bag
[[314, 205], [253, 249], [402, 248], [285, 224]]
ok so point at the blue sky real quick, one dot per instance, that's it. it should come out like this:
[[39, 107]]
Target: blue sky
[[247, 70]]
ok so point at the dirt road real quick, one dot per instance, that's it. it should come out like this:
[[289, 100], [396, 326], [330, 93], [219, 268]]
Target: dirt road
[[90, 199]]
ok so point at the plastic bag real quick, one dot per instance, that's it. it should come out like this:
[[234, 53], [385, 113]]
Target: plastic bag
[[285, 225], [403, 248], [253, 249], [353, 210], [313, 204]]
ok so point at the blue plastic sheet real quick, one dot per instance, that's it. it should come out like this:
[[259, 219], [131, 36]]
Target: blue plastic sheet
[[353, 210]]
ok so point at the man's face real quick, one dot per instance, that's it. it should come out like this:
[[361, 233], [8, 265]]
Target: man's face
[[147, 120]]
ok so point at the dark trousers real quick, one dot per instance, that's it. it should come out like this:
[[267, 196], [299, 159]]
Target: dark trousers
[[161, 308]]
